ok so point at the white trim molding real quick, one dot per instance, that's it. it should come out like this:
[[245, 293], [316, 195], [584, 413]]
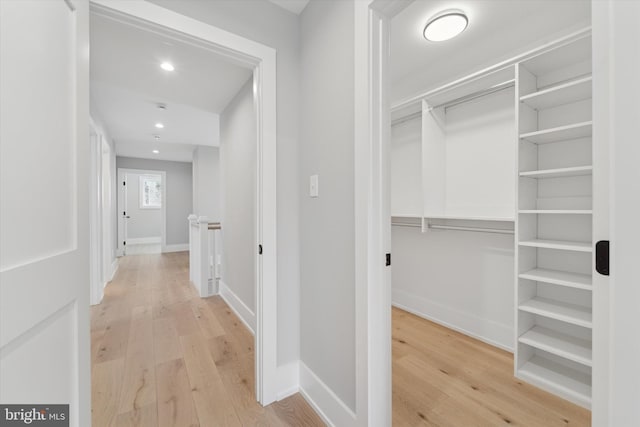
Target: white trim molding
[[332, 410], [245, 314], [289, 377], [180, 247], [144, 240]]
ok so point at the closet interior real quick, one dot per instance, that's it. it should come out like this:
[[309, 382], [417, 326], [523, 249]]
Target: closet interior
[[491, 199]]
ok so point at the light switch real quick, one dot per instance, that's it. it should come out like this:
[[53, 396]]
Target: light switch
[[313, 186]]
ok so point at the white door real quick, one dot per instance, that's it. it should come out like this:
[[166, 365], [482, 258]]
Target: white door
[[123, 215], [44, 159]]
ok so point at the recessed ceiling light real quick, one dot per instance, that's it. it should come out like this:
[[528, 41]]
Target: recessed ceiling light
[[156, 152], [159, 125], [167, 66], [445, 25]]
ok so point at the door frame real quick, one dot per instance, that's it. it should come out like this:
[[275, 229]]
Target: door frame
[[122, 201], [373, 284], [262, 60], [96, 223]]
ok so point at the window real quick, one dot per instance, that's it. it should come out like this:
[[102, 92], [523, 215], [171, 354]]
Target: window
[[150, 192]]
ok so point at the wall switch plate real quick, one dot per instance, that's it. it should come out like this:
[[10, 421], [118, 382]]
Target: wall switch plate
[[313, 186]]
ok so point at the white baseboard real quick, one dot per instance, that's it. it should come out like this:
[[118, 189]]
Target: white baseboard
[[114, 268], [182, 247], [489, 331], [144, 240], [245, 314], [288, 380], [332, 410]]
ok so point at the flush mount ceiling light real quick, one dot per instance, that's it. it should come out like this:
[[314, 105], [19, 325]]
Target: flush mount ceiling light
[[156, 152], [167, 66], [445, 25], [159, 125]]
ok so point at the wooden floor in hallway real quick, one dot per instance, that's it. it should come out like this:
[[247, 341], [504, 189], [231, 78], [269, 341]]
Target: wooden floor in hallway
[[447, 379], [162, 356]]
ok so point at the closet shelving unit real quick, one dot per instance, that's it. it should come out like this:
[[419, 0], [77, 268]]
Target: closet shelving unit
[[554, 221], [546, 195]]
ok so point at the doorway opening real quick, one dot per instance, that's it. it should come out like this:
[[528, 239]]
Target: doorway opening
[[141, 211], [259, 60], [434, 200]]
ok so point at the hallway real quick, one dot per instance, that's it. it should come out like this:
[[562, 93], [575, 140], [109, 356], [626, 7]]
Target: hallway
[[161, 356]]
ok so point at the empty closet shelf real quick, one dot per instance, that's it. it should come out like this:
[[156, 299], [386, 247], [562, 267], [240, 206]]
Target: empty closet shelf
[[563, 345], [562, 379], [561, 133], [569, 313], [557, 211], [558, 173], [558, 244], [555, 277], [566, 93]]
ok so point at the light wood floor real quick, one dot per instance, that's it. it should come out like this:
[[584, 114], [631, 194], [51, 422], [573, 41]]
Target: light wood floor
[[161, 356], [443, 378]]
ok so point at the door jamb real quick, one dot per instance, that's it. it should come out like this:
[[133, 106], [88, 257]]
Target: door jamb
[[262, 59]]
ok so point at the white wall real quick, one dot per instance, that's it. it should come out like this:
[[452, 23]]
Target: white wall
[[206, 182], [327, 294], [142, 223], [238, 138], [271, 25], [179, 199], [461, 279]]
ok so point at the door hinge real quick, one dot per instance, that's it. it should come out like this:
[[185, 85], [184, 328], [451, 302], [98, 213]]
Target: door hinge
[[124, 182], [387, 260], [124, 213], [124, 243], [602, 257], [259, 249]]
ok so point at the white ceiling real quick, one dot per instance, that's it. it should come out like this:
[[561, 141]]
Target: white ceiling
[[127, 84], [295, 6], [497, 30]]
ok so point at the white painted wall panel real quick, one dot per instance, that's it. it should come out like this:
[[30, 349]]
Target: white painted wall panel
[[461, 279]]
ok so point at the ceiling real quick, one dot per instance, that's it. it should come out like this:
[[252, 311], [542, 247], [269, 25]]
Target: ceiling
[[497, 30], [127, 84], [295, 6]]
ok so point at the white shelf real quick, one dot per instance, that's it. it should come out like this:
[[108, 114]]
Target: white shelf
[[569, 313], [566, 93], [559, 173], [566, 382], [557, 211], [561, 133], [563, 345], [471, 218], [561, 278], [558, 244]]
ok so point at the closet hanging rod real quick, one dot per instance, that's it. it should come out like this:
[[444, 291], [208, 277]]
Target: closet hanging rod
[[475, 95], [401, 224], [475, 229], [406, 118], [466, 98]]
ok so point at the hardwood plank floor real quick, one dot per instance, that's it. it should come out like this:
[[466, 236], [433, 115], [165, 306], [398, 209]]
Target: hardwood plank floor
[[162, 356], [444, 378]]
